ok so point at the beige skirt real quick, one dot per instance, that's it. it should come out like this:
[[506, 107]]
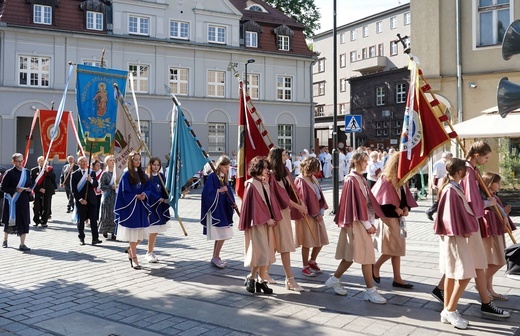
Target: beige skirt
[[455, 258], [477, 250], [283, 233], [259, 246], [388, 238], [305, 238], [356, 245], [494, 247]]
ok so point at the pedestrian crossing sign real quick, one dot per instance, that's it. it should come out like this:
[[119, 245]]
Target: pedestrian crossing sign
[[353, 123]]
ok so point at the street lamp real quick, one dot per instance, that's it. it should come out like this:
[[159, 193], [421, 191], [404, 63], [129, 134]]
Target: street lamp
[[251, 60]]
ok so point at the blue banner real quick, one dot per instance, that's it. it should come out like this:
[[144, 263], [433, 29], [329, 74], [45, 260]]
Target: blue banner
[[97, 107]]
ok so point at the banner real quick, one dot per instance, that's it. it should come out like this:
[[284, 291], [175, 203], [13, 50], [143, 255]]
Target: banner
[[104, 147], [96, 108], [59, 145]]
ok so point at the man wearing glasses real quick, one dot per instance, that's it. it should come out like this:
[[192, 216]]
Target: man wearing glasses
[[16, 216]]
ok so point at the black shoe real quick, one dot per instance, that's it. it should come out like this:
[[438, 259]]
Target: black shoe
[[24, 248], [82, 242], [35, 224], [113, 237], [250, 285], [105, 235], [262, 287], [69, 210], [438, 294], [376, 279], [429, 215], [44, 225], [400, 285], [491, 310], [97, 241], [4, 244]]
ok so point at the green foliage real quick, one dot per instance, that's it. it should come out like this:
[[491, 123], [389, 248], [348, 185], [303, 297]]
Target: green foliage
[[509, 165], [303, 11]]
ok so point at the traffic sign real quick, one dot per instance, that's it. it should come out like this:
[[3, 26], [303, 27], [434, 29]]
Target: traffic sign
[[353, 123]]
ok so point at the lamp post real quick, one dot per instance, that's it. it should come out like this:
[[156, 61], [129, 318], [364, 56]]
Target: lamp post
[[251, 60], [335, 151]]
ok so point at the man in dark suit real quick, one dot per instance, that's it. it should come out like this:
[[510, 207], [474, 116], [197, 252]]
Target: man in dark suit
[[82, 184], [66, 172], [44, 180]]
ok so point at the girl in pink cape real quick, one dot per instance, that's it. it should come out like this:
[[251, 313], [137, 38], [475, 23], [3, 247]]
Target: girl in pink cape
[[455, 224], [259, 214], [493, 234], [356, 215], [396, 202], [311, 196]]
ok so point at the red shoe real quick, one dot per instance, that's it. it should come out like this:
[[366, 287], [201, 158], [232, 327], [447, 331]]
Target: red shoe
[[308, 271], [314, 266]]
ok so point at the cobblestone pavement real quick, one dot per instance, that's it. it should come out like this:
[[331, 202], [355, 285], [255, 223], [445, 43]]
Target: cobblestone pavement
[[61, 288]]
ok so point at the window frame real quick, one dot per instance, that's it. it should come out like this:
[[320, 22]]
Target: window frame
[[253, 87], [407, 18], [342, 39], [40, 74], [39, 11], [364, 31], [140, 20], [381, 49], [284, 42], [94, 20], [180, 29], [217, 138], [394, 48], [494, 9], [400, 93], [343, 60], [283, 139], [213, 87], [219, 33], [380, 95], [321, 65], [353, 56], [342, 85], [393, 22], [248, 41], [139, 80], [353, 35], [372, 51], [379, 27], [177, 85], [284, 91]]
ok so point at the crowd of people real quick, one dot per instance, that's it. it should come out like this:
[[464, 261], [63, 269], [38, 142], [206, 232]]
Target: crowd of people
[[283, 209]]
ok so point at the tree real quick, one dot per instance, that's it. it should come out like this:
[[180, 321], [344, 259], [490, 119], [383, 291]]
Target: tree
[[303, 11]]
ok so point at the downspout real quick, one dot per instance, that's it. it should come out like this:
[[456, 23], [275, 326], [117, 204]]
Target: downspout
[[459, 65], [311, 84]]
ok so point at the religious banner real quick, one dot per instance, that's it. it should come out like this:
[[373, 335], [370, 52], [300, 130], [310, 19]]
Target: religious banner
[[59, 145]]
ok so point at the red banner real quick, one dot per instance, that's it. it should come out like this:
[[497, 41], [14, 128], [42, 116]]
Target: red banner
[[59, 147]]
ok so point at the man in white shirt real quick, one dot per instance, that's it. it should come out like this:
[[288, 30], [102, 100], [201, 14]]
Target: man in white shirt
[[439, 172]]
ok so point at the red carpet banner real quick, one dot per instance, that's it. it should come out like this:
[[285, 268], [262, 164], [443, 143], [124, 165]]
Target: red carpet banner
[[59, 146]]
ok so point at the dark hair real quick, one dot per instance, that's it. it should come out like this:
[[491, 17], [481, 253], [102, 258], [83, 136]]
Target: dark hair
[[309, 165], [135, 177], [150, 163], [489, 178], [93, 164], [257, 165], [479, 147], [452, 168], [275, 158]]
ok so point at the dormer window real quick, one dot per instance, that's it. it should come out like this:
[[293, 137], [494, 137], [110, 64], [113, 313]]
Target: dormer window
[[94, 20], [283, 37], [283, 42], [256, 8], [42, 14], [94, 14]]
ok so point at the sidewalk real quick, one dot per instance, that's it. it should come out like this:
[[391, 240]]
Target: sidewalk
[[61, 288]]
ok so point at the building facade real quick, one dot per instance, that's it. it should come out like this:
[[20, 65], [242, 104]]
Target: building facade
[[186, 45], [367, 47]]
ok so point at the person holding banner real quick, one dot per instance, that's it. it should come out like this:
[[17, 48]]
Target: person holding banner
[[107, 184], [66, 172], [17, 187], [132, 212], [44, 180], [158, 202], [82, 184]]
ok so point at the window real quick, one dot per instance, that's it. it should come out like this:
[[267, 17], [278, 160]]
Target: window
[[385, 132], [42, 14], [34, 71], [342, 60], [140, 73], [397, 131], [379, 27], [145, 131], [353, 56], [380, 96], [342, 38], [138, 25], [380, 49], [256, 8], [353, 35], [216, 83], [94, 20], [318, 89], [179, 30], [364, 53], [365, 31], [283, 42], [253, 85], [343, 85], [379, 132], [319, 111], [217, 137], [398, 123], [321, 65], [342, 108], [393, 22], [217, 34], [378, 125], [179, 81], [393, 48], [400, 93], [251, 39], [93, 63], [283, 88], [285, 137], [372, 51], [407, 18], [493, 20]]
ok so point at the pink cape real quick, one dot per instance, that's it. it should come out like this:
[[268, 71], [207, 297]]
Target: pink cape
[[454, 215], [385, 193], [254, 210], [308, 197], [353, 205], [493, 226], [472, 190], [280, 195]]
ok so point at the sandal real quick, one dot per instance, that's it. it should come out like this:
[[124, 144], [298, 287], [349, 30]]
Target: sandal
[[497, 297]]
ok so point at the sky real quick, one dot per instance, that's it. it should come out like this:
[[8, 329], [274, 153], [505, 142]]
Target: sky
[[351, 10]]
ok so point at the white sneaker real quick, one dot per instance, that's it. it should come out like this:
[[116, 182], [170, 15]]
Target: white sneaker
[[455, 320], [334, 283], [151, 258], [373, 296]]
